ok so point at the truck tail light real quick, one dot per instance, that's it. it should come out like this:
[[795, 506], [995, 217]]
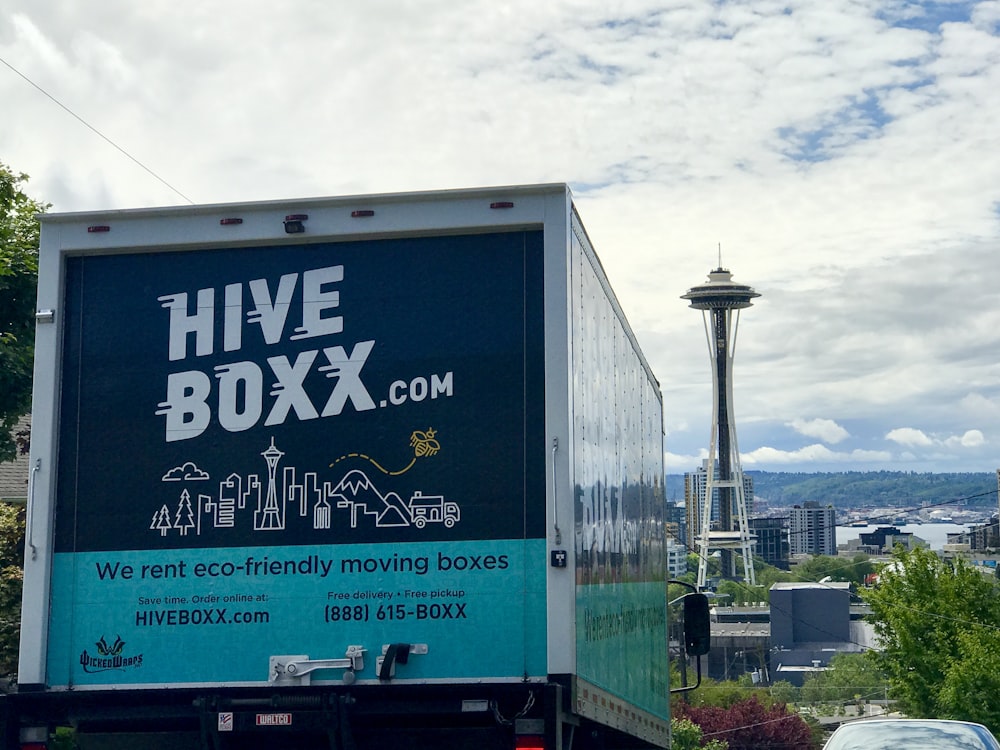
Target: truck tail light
[[295, 223], [529, 742], [34, 738]]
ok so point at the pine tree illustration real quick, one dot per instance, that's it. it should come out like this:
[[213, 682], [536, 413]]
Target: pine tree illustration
[[161, 520], [184, 519]]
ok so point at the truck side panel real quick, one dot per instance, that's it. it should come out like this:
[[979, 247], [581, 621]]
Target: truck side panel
[[619, 544]]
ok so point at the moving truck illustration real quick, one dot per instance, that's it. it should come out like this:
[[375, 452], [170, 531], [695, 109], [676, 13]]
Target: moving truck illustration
[[425, 509]]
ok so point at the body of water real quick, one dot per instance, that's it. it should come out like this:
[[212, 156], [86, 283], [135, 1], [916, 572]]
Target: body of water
[[935, 534]]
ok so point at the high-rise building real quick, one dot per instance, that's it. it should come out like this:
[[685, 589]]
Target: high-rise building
[[676, 523], [676, 558], [695, 490], [812, 530], [771, 543], [720, 301]]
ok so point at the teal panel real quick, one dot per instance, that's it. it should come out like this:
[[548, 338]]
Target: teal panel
[[217, 615], [621, 646]]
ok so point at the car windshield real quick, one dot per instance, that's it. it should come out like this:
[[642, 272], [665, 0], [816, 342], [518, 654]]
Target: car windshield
[[912, 735]]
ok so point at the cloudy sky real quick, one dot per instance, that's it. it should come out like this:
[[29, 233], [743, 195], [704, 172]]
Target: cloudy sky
[[845, 154]]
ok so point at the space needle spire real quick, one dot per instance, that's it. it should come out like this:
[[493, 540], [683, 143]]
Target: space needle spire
[[720, 300]]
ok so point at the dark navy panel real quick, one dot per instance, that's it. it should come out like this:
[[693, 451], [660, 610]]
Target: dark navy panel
[[392, 391]]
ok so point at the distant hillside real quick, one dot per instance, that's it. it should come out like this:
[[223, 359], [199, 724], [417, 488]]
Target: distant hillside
[[864, 488]]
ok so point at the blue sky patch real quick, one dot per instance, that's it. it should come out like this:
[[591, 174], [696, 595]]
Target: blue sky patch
[[927, 16], [862, 119]]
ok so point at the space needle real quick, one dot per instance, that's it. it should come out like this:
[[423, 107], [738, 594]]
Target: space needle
[[720, 301]]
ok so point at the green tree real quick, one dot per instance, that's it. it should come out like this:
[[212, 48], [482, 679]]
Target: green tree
[[18, 280], [693, 560], [972, 684], [741, 593], [782, 691], [722, 693], [851, 677], [686, 735], [768, 575], [11, 578], [936, 622], [823, 566]]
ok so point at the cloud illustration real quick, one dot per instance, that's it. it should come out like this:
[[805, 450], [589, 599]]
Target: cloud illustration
[[185, 472]]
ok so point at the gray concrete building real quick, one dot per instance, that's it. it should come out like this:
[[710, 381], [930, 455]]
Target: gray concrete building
[[812, 530]]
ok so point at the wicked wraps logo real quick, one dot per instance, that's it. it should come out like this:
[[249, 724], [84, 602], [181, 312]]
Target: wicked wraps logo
[[109, 658], [248, 392]]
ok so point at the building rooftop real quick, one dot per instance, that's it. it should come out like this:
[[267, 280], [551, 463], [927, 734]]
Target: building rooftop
[[837, 585], [14, 474]]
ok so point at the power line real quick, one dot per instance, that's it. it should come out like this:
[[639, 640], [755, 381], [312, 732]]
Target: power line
[[931, 505], [94, 130]]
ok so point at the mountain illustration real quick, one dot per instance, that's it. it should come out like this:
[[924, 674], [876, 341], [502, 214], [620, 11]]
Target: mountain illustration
[[357, 492], [354, 483], [396, 512]]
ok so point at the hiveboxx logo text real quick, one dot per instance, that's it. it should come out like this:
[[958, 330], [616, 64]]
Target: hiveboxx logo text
[[248, 392], [109, 658]]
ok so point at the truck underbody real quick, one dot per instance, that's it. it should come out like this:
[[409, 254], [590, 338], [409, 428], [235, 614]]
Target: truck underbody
[[419, 717]]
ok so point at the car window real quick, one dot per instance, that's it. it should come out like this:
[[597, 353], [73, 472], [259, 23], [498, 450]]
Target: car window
[[912, 735]]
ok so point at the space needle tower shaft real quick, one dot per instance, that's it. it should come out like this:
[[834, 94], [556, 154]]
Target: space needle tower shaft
[[720, 301]]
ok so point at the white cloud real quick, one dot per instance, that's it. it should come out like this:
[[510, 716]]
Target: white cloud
[[915, 438], [813, 454], [850, 168], [969, 439], [677, 464], [826, 430], [978, 405], [31, 40], [909, 436]]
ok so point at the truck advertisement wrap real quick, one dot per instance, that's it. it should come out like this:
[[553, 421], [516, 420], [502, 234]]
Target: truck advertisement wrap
[[294, 449]]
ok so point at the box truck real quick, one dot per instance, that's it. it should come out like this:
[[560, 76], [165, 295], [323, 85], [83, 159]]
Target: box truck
[[354, 472]]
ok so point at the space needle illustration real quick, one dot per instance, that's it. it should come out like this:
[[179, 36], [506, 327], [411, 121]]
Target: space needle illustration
[[270, 517], [720, 301]]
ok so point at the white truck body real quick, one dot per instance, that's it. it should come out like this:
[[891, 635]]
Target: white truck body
[[277, 445]]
